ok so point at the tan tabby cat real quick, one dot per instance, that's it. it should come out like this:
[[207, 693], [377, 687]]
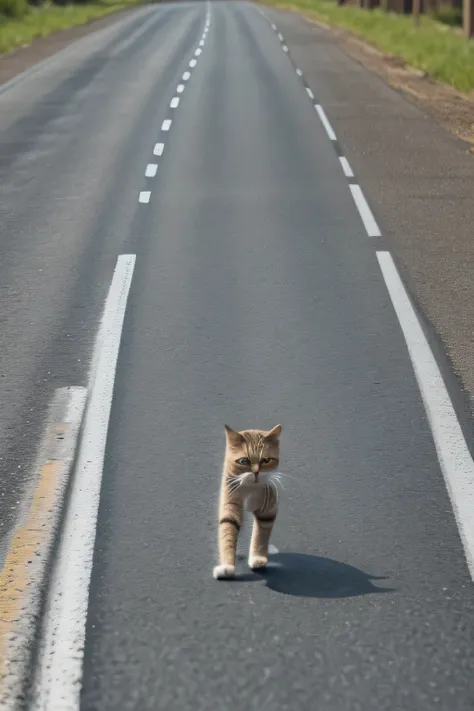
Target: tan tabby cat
[[250, 458]]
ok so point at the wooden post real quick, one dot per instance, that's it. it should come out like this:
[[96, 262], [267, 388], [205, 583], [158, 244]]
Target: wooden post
[[468, 18], [416, 11]]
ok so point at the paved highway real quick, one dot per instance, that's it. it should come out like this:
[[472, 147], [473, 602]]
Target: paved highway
[[258, 290]]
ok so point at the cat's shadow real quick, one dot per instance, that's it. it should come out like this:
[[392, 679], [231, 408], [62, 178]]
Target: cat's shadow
[[305, 575]]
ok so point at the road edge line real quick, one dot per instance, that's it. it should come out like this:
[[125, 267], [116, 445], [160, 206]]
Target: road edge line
[[58, 675], [453, 452], [25, 575]]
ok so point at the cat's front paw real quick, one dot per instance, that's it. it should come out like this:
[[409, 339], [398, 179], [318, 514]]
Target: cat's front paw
[[224, 572], [257, 561]]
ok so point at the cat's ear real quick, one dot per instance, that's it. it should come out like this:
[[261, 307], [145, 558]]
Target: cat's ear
[[274, 433], [234, 438]]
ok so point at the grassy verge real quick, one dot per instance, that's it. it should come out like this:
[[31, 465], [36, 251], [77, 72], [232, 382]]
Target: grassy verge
[[433, 47], [41, 21]]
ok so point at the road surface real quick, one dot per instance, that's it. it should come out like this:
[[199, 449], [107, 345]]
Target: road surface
[[257, 297]]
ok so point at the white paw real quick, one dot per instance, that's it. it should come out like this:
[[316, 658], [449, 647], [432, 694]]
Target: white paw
[[257, 561], [224, 572]]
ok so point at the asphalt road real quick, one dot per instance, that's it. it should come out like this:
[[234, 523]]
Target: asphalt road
[[257, 298]]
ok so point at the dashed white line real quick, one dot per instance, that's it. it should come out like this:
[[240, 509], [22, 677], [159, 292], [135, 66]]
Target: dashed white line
[[285, 48], [310, 93], [144, 196], [274, 27], [325, 122], [280, 37], [151, 169], [453, 453], [201, 43], [365, 212], [180, 88], [186, 76], [58, 680], [273, 550], [197, 52], [174, 103], [346, 167], [158, 149], [192, 63], [299, 72], [165, 126]]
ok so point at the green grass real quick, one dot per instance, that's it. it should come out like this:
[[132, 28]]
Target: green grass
[[41, 21], [433, 47]]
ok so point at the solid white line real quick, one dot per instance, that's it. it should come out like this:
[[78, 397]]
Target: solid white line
[[174, 102], [453, 453], [299, 72], [58, 682], [158, 149], [197, 52], [151, 169], [285, 48], [186, 76], [192, 63], [346, 167], [325, 122], [144, 196], [180, 88], [165, 126], [310, 93], [365, 212]]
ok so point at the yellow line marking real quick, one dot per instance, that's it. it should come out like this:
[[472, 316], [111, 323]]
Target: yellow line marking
[[19, 569]]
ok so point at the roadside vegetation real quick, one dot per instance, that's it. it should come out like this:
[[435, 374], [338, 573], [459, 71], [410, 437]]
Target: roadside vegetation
[[21, 22], [432, 45]]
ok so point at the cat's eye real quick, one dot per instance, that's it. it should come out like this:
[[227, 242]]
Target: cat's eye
[[266, 460], [244, 461]]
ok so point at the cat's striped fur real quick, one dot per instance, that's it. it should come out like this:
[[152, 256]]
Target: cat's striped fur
[[248, 481]]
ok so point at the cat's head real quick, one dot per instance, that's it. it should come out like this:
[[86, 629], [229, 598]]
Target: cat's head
[[253, 452]]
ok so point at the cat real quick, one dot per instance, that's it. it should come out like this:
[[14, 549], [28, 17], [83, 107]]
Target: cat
[[247, 481]]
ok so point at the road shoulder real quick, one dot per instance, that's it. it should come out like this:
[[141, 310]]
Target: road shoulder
[[20, 60]]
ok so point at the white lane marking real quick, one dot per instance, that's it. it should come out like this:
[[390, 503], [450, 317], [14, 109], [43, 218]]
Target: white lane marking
[[197, 52], [325, 122], [144, 196], [365, 212], [346, 167], [58, 680], [192, 63], [174, 102], [280, 37], [274, 28], [165, 126], [273, 550], [151, 169], [299, 72], [453, 453], [158, 149], [310, 93], [180, 88], [285, 48], [186, 76]]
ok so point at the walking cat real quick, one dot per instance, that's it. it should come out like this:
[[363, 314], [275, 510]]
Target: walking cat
[[249, 480]]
